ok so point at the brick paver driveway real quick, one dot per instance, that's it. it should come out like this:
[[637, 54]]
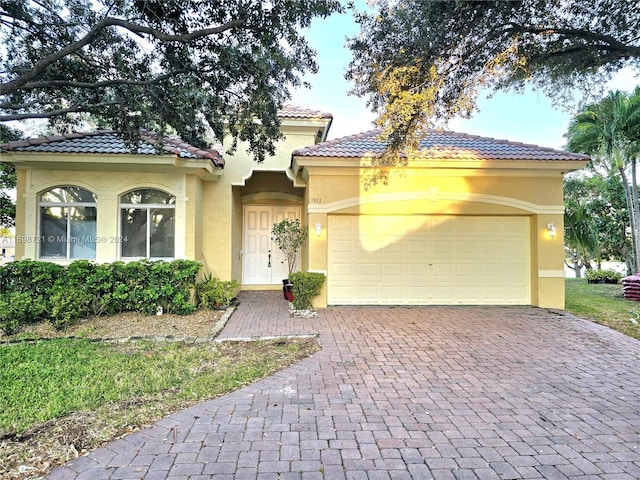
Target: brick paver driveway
[[407, 393]]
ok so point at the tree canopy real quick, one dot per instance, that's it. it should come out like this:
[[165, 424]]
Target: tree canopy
[[596, 221], [609, 131], [425, 62], [190, 66], [7, 180]]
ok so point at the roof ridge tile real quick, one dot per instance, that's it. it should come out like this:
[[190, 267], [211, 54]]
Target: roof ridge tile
[[295, 111]]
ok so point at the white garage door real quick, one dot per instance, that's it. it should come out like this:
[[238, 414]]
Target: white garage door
[[428, 260]]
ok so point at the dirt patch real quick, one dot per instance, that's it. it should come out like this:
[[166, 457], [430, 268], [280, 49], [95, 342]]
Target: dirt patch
[[129, 324], [32, 454]]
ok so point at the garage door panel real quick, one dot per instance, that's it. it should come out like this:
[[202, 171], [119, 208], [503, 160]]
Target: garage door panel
[[442, 270], [344, 246], [341, 269], [440, 246], [417, 246], [342, 294], [367, 270], [394, 246], [366, 292], [393, 269], [417, 291], [393, 292], [419, 267], [495, 247], [491, 270], [437, 260]]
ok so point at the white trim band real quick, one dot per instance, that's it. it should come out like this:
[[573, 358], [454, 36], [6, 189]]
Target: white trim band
[[433, 196], [551, 274]]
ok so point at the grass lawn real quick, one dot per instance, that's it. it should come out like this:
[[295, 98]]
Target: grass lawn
[[604, 304], [63, 397]]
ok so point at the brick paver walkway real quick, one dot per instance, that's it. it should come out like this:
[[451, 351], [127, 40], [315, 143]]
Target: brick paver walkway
[[406, 393]]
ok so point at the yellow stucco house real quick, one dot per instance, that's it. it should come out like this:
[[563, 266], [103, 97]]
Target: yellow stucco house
[[469, 220]]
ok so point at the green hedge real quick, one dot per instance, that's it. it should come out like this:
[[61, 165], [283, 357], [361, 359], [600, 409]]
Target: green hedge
[[32, 291], [306, 286]]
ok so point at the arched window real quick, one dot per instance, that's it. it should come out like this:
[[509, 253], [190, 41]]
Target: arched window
[[147, 224], [67, 223]]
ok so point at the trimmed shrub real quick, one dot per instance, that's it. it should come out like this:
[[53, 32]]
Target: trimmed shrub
[[19, 308], [172, 284], [67, 305], [306, 286], [213, 292], [33, 290], [30, 276]]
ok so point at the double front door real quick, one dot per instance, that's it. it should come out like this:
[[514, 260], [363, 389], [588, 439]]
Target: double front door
[[263, 262]]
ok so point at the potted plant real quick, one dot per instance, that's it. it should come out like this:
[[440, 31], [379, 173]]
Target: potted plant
[[289, 236], [595, 276], [603, 276], [611, 276]]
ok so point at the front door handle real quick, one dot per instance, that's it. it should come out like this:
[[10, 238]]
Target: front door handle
[[269, 264]]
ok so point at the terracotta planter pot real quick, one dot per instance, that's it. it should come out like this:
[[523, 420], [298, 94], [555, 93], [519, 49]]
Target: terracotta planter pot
[[287, 290]]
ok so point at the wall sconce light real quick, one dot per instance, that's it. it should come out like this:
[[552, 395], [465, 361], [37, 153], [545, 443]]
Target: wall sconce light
[[318, 229], [551, 228]]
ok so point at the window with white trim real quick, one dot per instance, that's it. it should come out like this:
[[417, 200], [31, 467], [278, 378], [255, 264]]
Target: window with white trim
[[67, 223], [147, 224]]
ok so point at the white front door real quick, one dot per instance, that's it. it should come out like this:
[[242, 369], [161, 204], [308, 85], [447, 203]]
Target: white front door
[[263, 262]]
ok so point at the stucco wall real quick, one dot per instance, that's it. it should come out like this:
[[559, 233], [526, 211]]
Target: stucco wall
[[209, 213], [208, 217], [536, 195], [245, 181], [108, 187]]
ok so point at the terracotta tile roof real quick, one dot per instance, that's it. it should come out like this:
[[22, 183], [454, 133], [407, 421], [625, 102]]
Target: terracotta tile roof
[[107, 141], [293, 111], [436, 144], [183, 149]]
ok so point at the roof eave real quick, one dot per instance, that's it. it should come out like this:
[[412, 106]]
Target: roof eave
[[301, 161], [204, 167], [209, 171]]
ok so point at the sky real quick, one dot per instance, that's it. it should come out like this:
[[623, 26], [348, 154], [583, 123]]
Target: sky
[[529, 117]]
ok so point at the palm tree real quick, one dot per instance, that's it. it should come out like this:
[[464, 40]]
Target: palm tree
[[580, 233], [609, 131], [581, 240]]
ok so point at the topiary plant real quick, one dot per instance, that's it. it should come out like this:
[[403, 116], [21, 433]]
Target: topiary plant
[[306, 286], [289, 236]]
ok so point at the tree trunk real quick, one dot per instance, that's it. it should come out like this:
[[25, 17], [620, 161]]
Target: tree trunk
[[633, 215], [636, 210], [578, 269], [628, 259]]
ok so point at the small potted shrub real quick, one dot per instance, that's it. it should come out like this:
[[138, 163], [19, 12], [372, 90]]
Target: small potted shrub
[[603, 276], [595, 276], [611, 276], [289, 236]]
